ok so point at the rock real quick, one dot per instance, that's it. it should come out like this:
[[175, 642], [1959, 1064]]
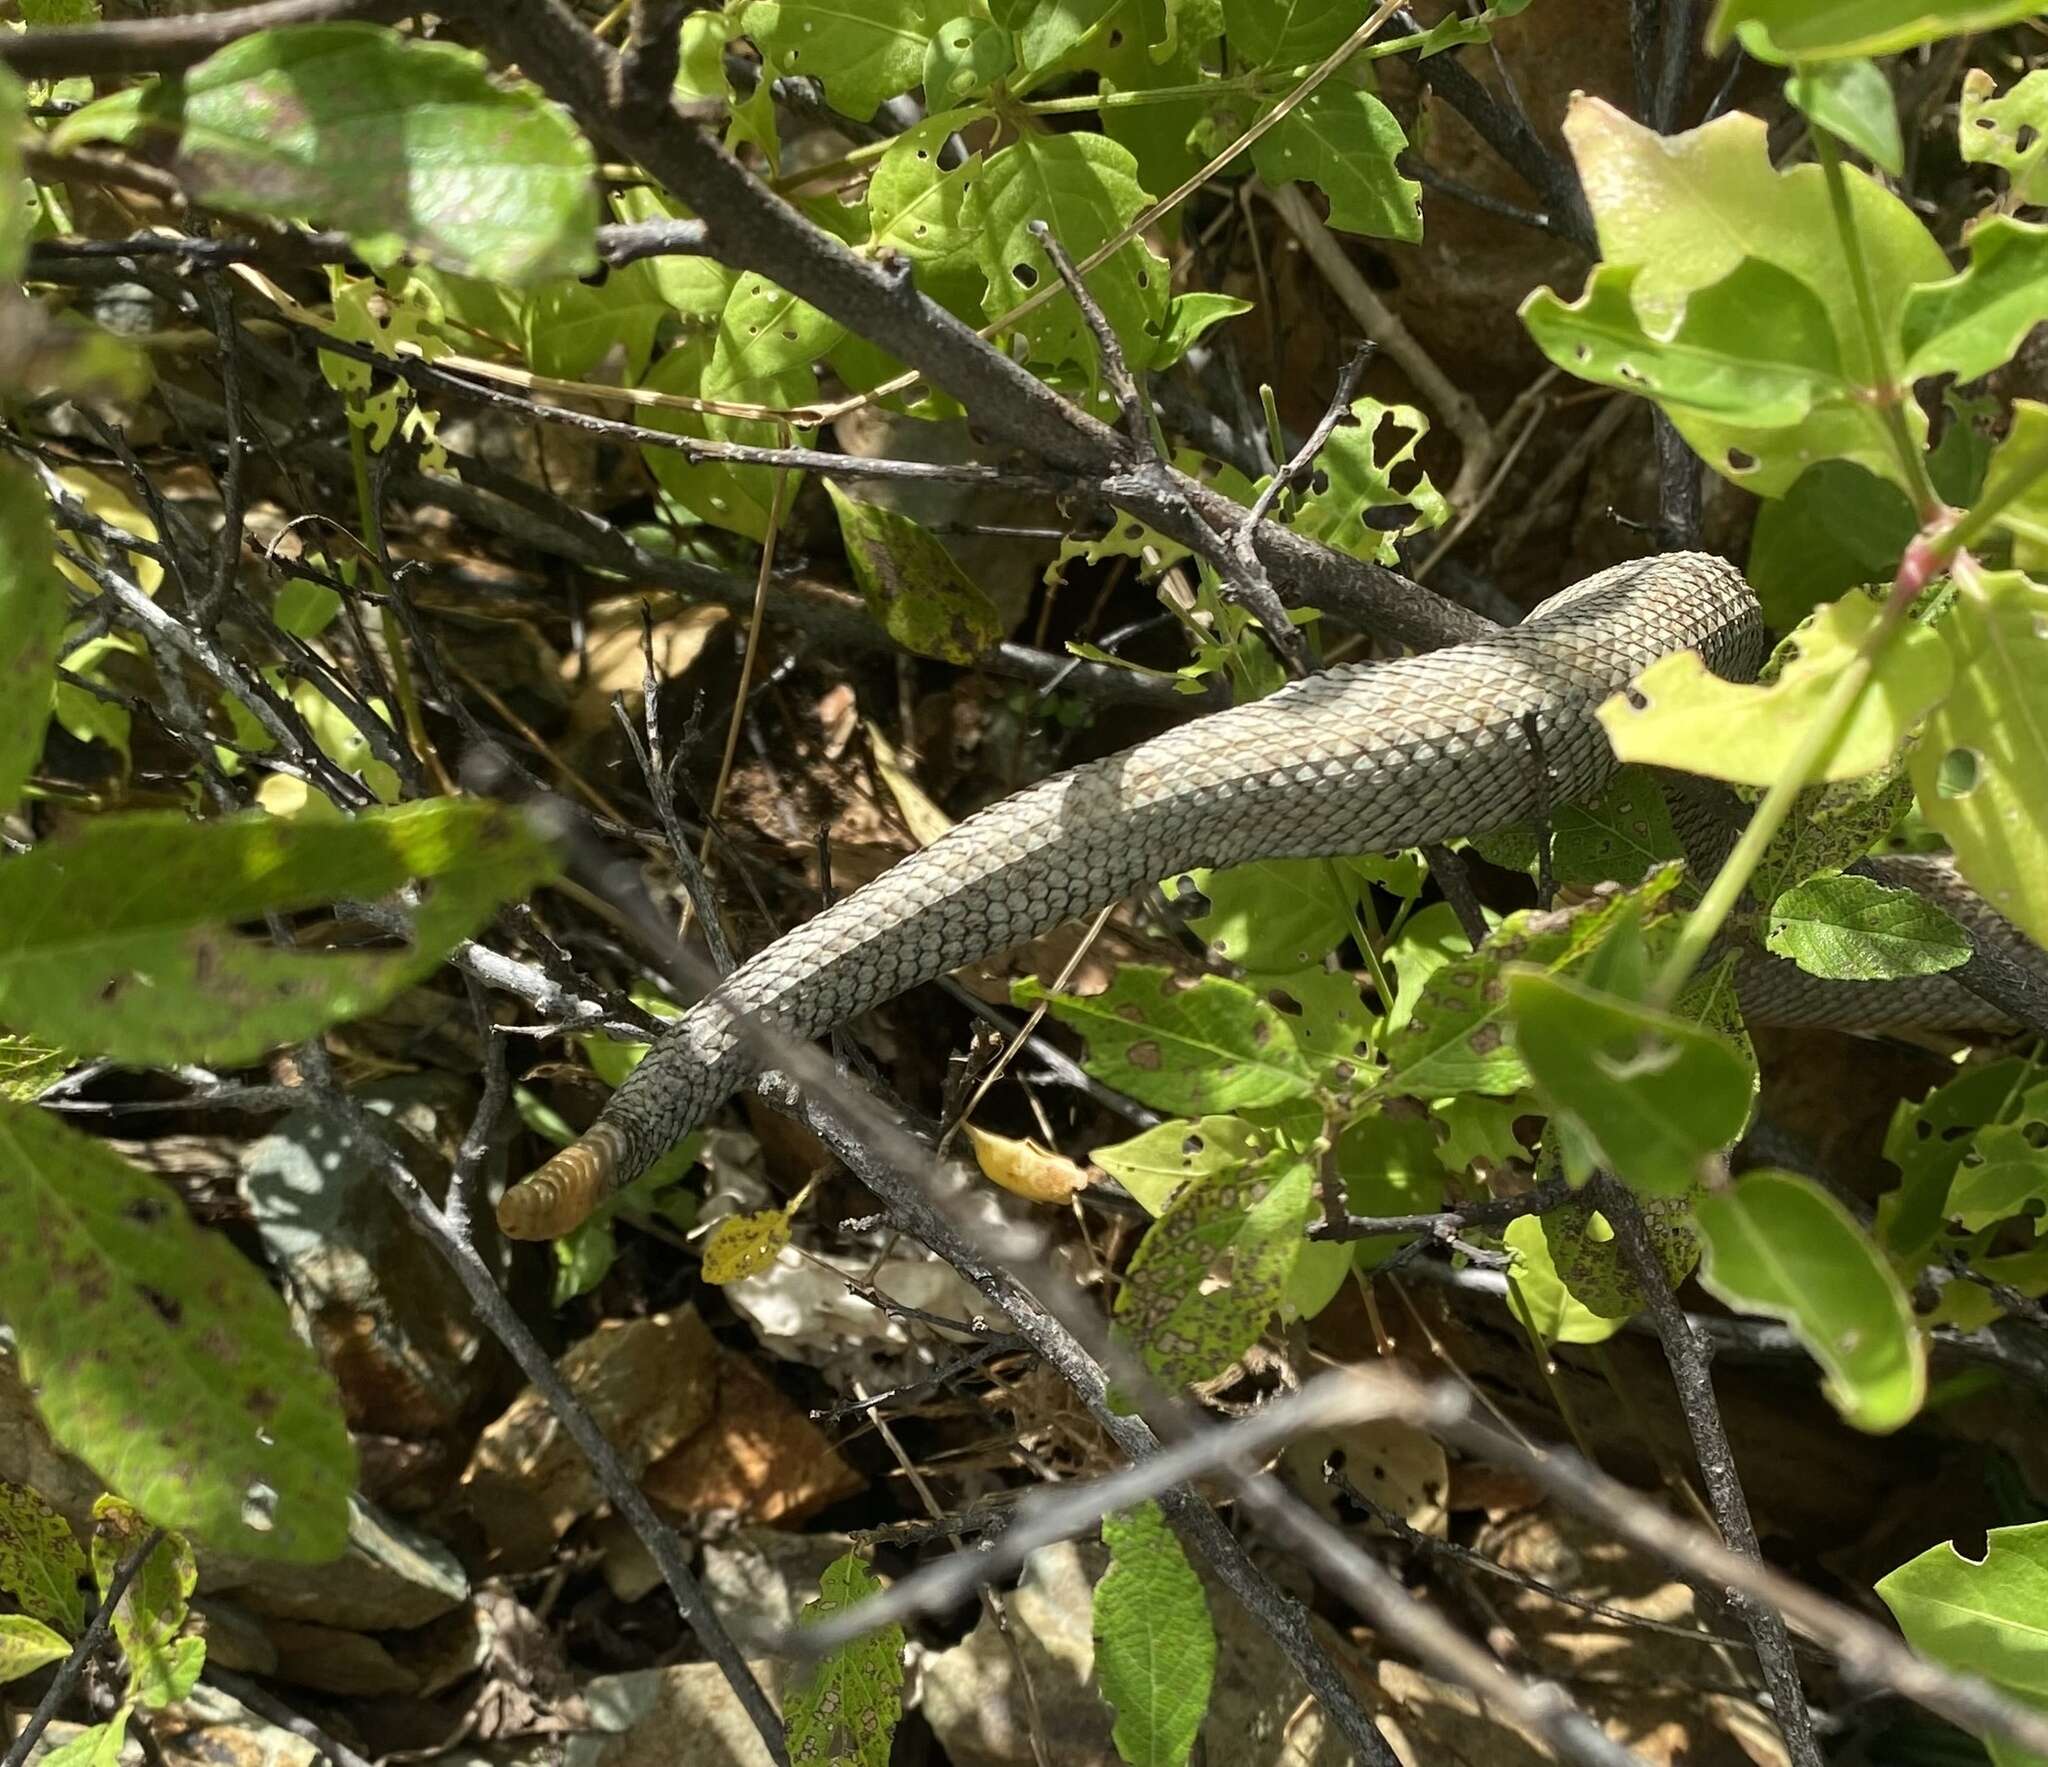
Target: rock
[[391, 1578], [648, 1383], [758, 1455], [760, 1578], [329, 1660], [684, 1716]]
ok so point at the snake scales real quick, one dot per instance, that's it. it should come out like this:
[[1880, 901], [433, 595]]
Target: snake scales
[[1358, 759]]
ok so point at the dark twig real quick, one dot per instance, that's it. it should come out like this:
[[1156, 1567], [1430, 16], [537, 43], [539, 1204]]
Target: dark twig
[[1443, 1223], [159, 45], [89, 1642], [1687, 1357], [1456, 883]]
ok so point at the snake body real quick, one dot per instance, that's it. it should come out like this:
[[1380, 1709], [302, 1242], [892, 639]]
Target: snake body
[[1357, 759]]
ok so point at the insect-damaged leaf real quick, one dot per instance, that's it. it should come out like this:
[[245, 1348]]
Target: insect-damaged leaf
[[120, 940], [159, 1356]]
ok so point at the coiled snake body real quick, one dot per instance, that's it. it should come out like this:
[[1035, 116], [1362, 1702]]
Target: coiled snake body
[[1358, 759]]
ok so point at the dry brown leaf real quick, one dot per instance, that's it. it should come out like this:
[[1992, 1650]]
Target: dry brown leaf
[[611, 661], [924, 818]]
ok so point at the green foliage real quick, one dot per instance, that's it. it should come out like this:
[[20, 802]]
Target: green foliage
[[1930, 1140], [411, 146], [121, 939], [1980, 1616], [160, 1356], [1855, 929], [2008, 130], [1779, 1244], [844, 1712], [1789, 30], [921, 598], [859, 54], [163, 1666], [40, 1561], [1155, 1648], [32, 611], [1346, 142], [1852, 99]]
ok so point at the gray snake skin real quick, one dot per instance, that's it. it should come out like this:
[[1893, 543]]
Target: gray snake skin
[[1358, 759]]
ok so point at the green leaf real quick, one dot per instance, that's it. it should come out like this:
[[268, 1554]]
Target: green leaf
[[965, 57], [1196, 1049], [1453, 1036], [1981, 1616], [99, 1746], [915, 207], [40, 1560], [160, 1356], [16, 218], [406, 145], [1758, 346], [2005, 1171], [860, 51], [2015, 490], [1838, 528], [1085, 188], [1680, 714], [1213, 1269], [2010, 130], [1352, 503], [1928, 1140], [1624, 833], [1855, 929], [1779, 1245], [121, 940], [33, 605], [1807, 30], [1189, 317], [1687, 209], [1390, 1166], [569, 328], [1287, 33], [163, 1667], [1049, 32], [1346, 142], [844, 1712], [26, 1645], [914, 589], [1273, 914], [1981, 766], [1153, 1164], [1155, 1646], [1588, 1262], [1852, 100], [695, 288], [1969, 323], [1653, 1096], [1539, 1297]]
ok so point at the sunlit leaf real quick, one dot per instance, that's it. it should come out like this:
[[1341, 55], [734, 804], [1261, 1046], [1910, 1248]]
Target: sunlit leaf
[[1346, 143], [1153, 1164], [40, 1559], [1968, 323], [33, 605], [159, 1355], [1853, 101], [1854, 929], [915, 589], [1539, 1297], [1791, 30], [26, 1645], [1780, 1245], [860, 51], [2009, 130], [744, 1245], [122, 938], [1155, 1645], [149, 1619], [844, 1712], [1351, 502], [1929, 1139], [1024, 1167], [408, 145]]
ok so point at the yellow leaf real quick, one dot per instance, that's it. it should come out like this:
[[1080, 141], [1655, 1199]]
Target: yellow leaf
[[744, 1245], [927, 821], [1025, 1169]]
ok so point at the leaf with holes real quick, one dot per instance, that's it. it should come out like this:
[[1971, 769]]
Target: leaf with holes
[[33, 606], [121, 939], [1085, 188], [1810, 30], [1155, 1645], [843, 1713], [1854, 929], [1273, 914], [406, 145], [1214, 1267], [1645, 1095], [1346, 143], [2005, 1172], [860, 51], [160, 1356], [1352, 502], [1623, 833], [1929, 1139], [965, 58], [915, 205], [1981, 1616], [1969, 323], [1778, 1244], [1590, 1265], [1681, 714], [1685, 210], [1547, 1308], [1455, 1037], [1203, 1047], [1153, 1164], [915, 589], [2009, 130], [1982, 765], [40, 1559], [163, 1666]]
